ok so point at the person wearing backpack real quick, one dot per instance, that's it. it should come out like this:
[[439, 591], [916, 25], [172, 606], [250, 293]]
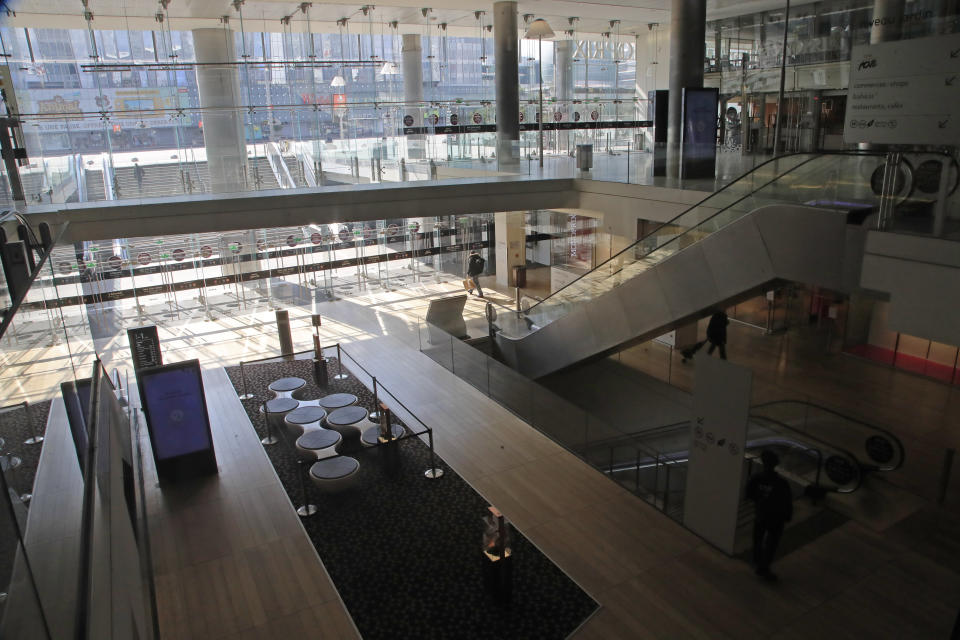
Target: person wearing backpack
[[474, 269]]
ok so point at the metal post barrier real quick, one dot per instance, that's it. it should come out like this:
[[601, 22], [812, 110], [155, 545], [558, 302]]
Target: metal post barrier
[[945, 474], [243, 384], [36, 438], [637, 477], [434, 471], [666, 489], [270, 437], [340, 374], [306, 509], [375, 414]]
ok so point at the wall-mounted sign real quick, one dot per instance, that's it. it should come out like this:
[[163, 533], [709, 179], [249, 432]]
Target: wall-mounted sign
[[115, 262], [905, 92], [206, 251], [594, 114], [477, 118], [454, 119], [434, 119], [408, 121], [143, 258]]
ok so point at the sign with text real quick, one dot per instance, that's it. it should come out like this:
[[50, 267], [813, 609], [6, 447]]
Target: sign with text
[[721, 404], [145, 347], [905, 92]]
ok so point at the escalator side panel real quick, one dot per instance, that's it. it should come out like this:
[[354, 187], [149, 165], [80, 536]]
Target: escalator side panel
[[797, 243]]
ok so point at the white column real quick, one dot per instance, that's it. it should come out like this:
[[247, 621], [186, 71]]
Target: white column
[[219, 88]]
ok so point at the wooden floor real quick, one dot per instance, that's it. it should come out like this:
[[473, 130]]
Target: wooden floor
[[654, 578], [230, 555], [232, 559]]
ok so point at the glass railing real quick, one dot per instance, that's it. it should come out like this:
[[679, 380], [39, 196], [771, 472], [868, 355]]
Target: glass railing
[[835, 180], [656, 476], [55, 532], [122, 154]]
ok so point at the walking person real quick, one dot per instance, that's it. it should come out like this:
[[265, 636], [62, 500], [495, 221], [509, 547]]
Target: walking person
[[773, 498], [474, 269], [138, 173], [716, 336]]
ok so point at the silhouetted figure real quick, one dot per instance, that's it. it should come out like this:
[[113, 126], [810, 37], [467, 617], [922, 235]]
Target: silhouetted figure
[[138, 174], [774, 508], [716, 336], [474, 269]]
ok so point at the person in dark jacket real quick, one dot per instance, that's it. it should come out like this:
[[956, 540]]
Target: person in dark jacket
[[474, 269], [716, 336], [773, 498]]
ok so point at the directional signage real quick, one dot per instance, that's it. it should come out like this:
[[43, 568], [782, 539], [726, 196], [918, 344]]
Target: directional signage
[[905, 92]]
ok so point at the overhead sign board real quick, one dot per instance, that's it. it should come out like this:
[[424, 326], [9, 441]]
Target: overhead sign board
[[905, 92]]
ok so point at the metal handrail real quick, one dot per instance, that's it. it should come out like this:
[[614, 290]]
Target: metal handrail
[[886, 432], [821, 443], [691, 208]]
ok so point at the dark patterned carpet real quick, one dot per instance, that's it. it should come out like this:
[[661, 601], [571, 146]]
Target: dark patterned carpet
[[17, 424], [404, 551]]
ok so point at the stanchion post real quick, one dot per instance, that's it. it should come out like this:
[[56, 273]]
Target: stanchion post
[[375, 414], [243, 385], [35, 438], [270, 438], [340, 375], [434, 471], [306, 509]]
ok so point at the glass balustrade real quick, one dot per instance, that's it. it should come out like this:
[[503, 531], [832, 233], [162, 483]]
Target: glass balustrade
[[839, 181]]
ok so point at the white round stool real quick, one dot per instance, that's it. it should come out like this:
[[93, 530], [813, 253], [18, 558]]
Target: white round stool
[[335, 474]]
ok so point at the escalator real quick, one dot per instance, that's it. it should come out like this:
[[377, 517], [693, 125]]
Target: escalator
[[796, 218], [814, 445]]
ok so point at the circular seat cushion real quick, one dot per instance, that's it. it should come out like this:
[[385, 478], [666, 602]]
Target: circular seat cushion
[[372, 435], [337, 400], [346, 416], [286, 384], [282, 405], [334, 468], [319, 439], [306, 415]]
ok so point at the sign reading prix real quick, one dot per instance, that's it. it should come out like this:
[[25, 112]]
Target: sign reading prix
[[905, 92]]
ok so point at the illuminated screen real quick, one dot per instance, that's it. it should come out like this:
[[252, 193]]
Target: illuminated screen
[[176, 411]]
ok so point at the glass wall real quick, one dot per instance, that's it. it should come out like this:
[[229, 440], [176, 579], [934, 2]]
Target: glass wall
[[744, 54], [110, 114]]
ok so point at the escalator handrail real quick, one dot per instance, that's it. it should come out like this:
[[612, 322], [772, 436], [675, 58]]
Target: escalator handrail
[[813, 156], [637, 434], [868, 425], [821, 443]]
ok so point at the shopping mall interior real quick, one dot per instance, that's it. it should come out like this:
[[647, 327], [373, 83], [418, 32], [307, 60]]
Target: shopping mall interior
[[348, 320]]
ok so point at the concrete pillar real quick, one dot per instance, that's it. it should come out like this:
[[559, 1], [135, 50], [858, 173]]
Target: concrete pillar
[[510, 242], [413, 91], [506, 53], [889, 15], [688, 24], [563, 69], [219, 88]]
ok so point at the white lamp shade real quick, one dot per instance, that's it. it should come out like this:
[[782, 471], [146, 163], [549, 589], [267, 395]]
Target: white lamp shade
[[389, 69], [539, 29], [338, 81]]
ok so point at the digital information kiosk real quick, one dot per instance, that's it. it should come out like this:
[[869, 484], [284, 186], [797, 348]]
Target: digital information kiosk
[[175, 407]]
